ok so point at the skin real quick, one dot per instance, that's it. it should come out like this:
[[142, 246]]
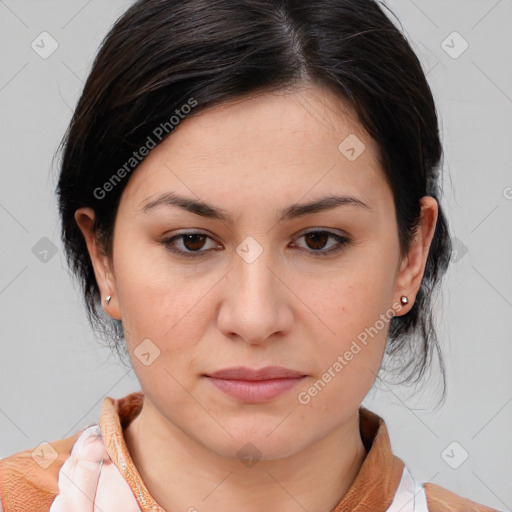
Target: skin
[[290, 307]]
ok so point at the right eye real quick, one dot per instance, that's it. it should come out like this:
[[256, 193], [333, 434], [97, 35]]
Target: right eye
[[191, 242]]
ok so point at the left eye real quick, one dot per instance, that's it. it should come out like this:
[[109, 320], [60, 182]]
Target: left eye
[[318, 240], [193, 243]]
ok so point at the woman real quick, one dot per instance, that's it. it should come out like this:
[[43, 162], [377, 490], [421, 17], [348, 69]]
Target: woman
[[249, 190]]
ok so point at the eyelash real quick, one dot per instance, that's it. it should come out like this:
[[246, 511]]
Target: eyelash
[[342, 241]]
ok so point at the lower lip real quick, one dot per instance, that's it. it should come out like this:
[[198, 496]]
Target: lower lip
[[255, 391]]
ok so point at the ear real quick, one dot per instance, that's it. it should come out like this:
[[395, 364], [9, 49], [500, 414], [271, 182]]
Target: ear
[[101, 263], [412, 266]]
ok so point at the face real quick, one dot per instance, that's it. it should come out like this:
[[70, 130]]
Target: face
[[259, 283]]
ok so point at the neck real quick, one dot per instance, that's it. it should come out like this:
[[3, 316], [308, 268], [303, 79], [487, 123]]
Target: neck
[[182, 474]]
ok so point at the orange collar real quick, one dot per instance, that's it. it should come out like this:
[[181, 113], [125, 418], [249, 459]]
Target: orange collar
[[373, 489]]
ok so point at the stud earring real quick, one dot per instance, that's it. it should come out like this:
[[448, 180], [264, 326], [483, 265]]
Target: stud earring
[[404, 300], [107, 300]]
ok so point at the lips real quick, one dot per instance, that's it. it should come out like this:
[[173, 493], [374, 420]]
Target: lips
[[255, 386], [245, 373]]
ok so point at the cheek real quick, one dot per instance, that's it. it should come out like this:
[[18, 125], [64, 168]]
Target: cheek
[[150, 293], [170, 309], [354, 309], [155, 303], [346, 362], [353, 298]]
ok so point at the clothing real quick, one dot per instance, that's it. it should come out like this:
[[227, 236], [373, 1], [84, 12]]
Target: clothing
[[94, 465]]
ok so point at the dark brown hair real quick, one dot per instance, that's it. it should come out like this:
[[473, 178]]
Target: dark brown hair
[[161, 54]]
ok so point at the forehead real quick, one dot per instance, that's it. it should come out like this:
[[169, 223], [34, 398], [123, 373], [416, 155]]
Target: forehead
[[280, 144]]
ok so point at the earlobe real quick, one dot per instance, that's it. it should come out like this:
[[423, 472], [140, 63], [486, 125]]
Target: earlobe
[[413, 265], [103, 272]]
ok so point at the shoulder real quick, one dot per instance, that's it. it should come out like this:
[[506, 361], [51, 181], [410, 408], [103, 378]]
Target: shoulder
[[440, 499], [29, 479]]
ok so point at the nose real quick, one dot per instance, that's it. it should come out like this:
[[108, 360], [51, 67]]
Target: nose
[[257, 305]]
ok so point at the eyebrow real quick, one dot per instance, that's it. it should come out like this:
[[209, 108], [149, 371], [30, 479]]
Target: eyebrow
[[291, 212]]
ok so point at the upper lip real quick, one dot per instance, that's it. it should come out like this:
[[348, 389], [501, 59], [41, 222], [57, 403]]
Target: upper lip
[[245, 373]]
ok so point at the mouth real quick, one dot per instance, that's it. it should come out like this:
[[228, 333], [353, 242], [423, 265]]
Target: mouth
[[255, 386]]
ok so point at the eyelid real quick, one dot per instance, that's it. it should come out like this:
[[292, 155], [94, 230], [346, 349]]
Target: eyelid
[[320, 229]]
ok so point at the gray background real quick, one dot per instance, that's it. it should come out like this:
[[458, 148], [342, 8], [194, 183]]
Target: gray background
[[54, 374]]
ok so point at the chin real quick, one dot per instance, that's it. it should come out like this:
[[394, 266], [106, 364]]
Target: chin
[[252, 443]]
